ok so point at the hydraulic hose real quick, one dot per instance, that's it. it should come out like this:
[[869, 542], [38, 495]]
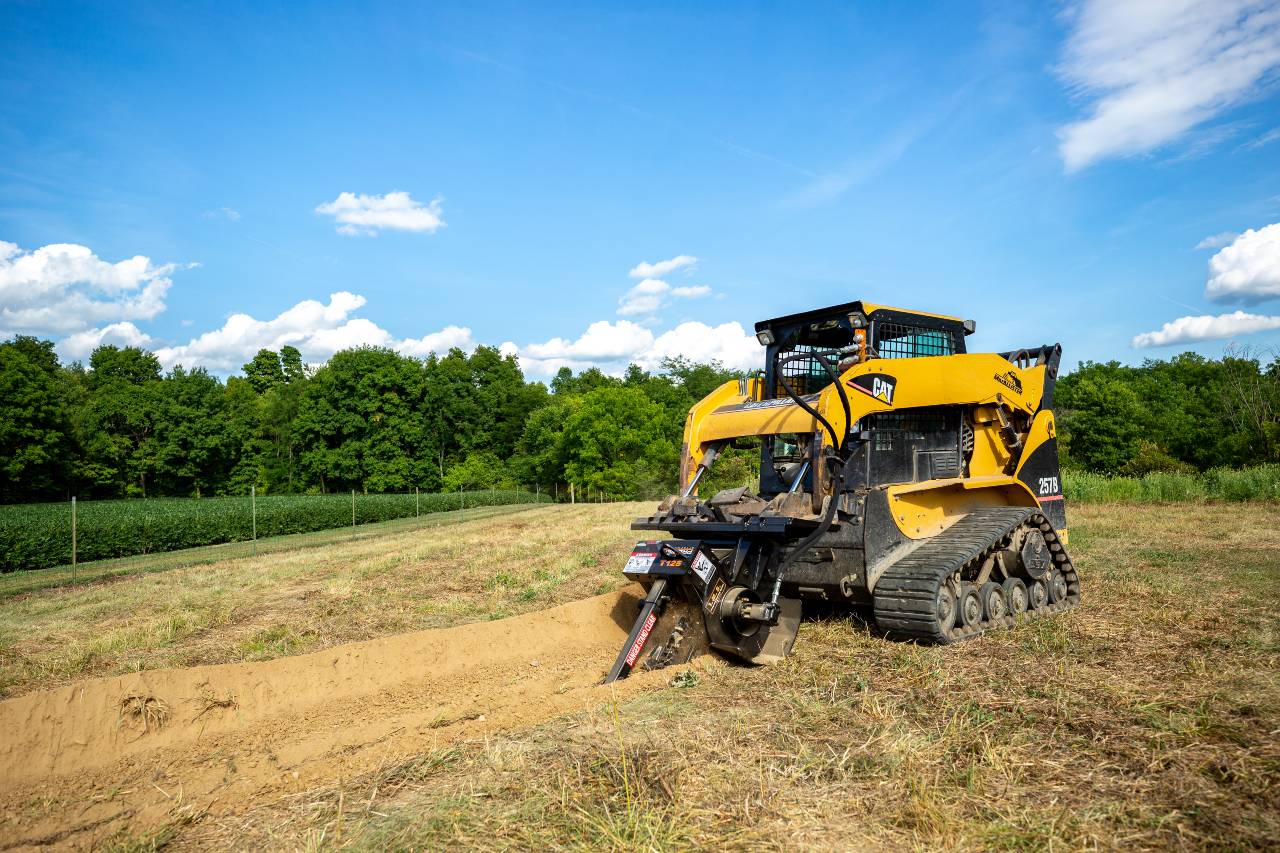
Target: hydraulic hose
[[835, 380], [840, 454]]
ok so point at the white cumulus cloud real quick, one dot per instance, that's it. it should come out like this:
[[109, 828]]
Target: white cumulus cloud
[[653, 294], [65, 288], [438, 342], [123, 334], [603, 341], [316, 328], [612, 346], [395, 211], [661, 268], [644, 298], [1154, 69], [1186, 330], [727, 343], [1248, 270]]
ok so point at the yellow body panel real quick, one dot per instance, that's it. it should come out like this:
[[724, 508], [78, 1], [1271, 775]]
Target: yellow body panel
[[984, 381], [926, 509], [735, 409], [1043, 428]]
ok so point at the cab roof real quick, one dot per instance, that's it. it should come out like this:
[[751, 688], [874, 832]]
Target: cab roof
[[866, 308]]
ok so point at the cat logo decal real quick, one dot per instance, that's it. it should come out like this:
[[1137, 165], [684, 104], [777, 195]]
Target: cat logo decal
[[879, 386]]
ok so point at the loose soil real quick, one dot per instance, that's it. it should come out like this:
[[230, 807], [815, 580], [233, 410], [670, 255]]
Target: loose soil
[[79, 761]]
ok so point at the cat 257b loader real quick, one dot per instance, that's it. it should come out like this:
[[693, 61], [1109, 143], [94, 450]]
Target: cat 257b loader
[[899, 474]]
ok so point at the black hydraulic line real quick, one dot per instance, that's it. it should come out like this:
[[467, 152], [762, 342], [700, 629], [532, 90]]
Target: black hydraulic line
[[835, 380], [807, 542], [838, 486]]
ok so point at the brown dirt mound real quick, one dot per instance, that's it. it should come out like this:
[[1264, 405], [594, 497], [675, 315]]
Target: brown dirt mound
[[80, 761]]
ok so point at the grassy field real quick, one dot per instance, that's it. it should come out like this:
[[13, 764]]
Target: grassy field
[[1147, 719], [253, 608], [1261, 483], [17, 583]]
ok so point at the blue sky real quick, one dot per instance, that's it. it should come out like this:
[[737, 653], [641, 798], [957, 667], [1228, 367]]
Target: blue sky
[[174, 175]]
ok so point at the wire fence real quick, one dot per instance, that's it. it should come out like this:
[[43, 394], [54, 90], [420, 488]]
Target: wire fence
[[64, 535], [17, 583]]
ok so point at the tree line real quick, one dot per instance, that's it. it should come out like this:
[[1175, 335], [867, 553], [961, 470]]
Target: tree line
[[374, 420], [1183, 415], [370, 419]]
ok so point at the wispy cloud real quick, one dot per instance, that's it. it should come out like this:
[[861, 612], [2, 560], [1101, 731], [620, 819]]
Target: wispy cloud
[[868, 164], [644, 269], [227, 213], [653, 294], [1154, 69], [1217, 241], [1265, 139], [745, 151]]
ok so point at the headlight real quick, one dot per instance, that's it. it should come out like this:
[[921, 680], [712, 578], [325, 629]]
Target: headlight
[[765, 337]]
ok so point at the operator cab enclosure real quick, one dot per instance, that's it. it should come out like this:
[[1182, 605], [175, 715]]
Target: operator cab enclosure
[[858, 331]]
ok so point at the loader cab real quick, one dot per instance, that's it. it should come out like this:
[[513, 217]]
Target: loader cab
[[857, 332]]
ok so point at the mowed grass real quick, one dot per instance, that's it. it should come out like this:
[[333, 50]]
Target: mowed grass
[[1147, 719], [255, 608]]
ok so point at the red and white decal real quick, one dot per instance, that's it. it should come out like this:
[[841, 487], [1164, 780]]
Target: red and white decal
[[638, 645]]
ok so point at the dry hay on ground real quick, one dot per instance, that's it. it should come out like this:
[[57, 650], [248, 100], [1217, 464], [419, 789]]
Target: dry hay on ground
[[1149, 718]]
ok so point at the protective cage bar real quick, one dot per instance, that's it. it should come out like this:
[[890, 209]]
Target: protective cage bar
[[899, 340], [805, 375]]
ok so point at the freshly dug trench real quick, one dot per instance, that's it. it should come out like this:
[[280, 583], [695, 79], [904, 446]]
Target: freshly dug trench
[[130, 749]]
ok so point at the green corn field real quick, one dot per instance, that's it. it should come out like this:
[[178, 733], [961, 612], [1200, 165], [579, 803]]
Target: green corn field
[[38, 536]]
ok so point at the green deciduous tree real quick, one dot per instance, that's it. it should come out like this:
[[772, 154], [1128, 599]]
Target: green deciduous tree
[[121, 419], [360, 422], [611, 435], [35, 429], [481, 469]]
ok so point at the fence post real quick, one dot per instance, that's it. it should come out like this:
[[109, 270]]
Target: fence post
[[415, 502], [253, 509], [73, 539], [353, 508], [572, 500]]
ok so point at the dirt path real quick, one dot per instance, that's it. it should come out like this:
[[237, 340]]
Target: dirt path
[[78, 762]]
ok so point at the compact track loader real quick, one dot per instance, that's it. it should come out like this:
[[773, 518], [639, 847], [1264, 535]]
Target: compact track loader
[[899, 474]]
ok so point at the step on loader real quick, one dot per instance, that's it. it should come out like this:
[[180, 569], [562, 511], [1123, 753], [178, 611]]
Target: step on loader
[[899, 474]]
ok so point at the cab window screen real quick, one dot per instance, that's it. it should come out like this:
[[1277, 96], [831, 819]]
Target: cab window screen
[[894, 340]]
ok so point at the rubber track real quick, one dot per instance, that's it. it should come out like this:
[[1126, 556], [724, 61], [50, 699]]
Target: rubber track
[[906, 594]]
